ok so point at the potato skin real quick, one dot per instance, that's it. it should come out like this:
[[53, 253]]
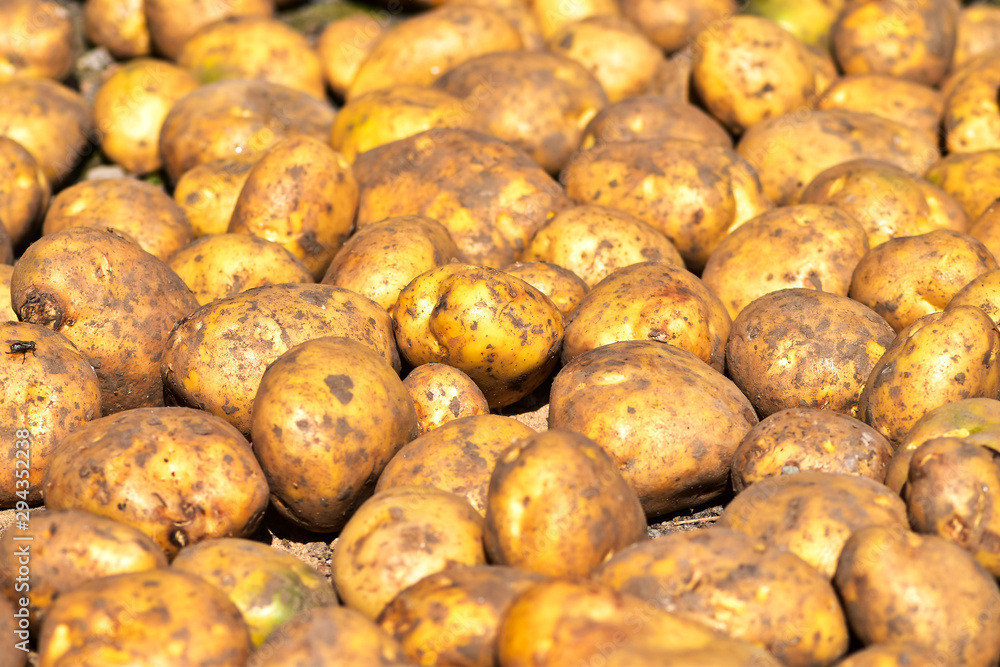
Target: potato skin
[[39, 40], [907, 102], [119, 26], [645, 117], [977, 33], [172, 23], [7, 313], [343, 45], [564, 288], [972, 113], [893, 654], [24, 190], [971, 178], [553, 15], [208, 193], [441, 394], [986, 228], [674, 24]]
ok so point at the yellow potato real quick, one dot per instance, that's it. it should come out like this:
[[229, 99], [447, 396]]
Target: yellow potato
[[674, 24], [24, 190], [555, 14], [208, 193], [520, 15], [119, 26], [972, 112], [900, 100], [978, 32], [441, 394], [173, 22], [644, 117], [343, 45], [564, 288], [895, 654], [7, 313], [971, 178], [987, 228], [37, 41]]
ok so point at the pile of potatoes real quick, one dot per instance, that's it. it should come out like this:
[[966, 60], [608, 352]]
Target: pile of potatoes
[[475, 293]]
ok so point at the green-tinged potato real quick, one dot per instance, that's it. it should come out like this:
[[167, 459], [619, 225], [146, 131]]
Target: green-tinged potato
[[162, 615], [441, 173], [520, 15], [119, 26], [328, 416], [398, 537], [37, 42], [987, 228], [900, 586], [110, 298], [971, 178], [895, 654], [811, 21], [812, 513], [594, 241], [887, 201], [130, 107], [802, 348], [978, 32], [807, 246], [473, 600], [982, 292], [24, 190], [180, 476], [645, 117], [302, 196], [343, 45], [137, 209], [805, 626], [650, 301], [553, 15], [564, 288], [50, 391], [909, 277], [789, 151], [669, 420], [14, 652], [379, 260], [208, 193], [537, 101], [68, 548], [674, 24], [7, 313], [693, 194], [498, 329], [238, 119], [441, 394], [53, 123], [420, 49], [214, 360], [900, 100], [972, 112], [173, 22], [270, 588]]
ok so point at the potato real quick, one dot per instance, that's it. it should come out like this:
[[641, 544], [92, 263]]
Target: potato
[[441, 173], [519, 14], [645, 117], [539, 102], [805, 348], [238, 119], [757, 257], [303, 196], [270, 588], [977, 32], [886, 571], [563, 287], [627, 397], [208, 193], [7, 313], [971, 178], [474, 600], [650, 301], [987, 228], [343, 45], [810, 21], [173, 23], [498, 329], [135, 208], [15, 651], [897, 38], [398, 537], [972, 112], [693, 194], [144, 617], [24, 190], [441, 394], [6, 247], [900, 100], [789, 151], [894, 654], [119, 26], [111, 299], [379, 260], [983, 292], [886, 200], [420, 49], [57, 392], [812, 513], [51, 121], [673, 78], [806, 626], [215, 358], [674, 24], [37, 41], [69, 548], [552, 15]]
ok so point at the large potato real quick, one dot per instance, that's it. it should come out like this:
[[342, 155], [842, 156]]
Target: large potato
[[37, 41], [645, 117], [208, 193], [24, 190], [903, 101], [173, 22], [972, 112], [442, 393], [971, 178], [119, 26], [563, 287], [674, 24]]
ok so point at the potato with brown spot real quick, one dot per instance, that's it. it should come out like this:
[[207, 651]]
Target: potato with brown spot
[[520, 15], [208, 193], [119, 26], [674, 24], [645, 117], [24, 190], [900, 100], [986, 228], [971, 178], [982, 292], [563, 287], [38, 40], [441, 394], [972, 112], [173, 22]]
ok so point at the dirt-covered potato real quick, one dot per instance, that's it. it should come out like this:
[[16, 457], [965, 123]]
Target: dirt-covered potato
[[650, 301], [501, 331], [56, 393], [303, 196], [442, 393], [520, 15], [208, 193], [139, 210], [644, 117], [552, 15], [379, 260], [907, 102], [539, 102], [670, 421], [971, 178], [805, 348], [983, 292], [895, 654], [179, 475], [173, 22], [977, 33], [68, 548], [440, 174], [789, 151], [7, 313], [900, 586], [119, 26], [143, 617], [327, 417], [53, 122], [693, 194], [812, 513], [986, 228], [270, 588], [674, 24], [113, 300], [563, 287], [238, 119], [343, 45], [37, 40], [215, 358], [24, 190], [474, 600], [806, 246], [805, 626], [972, 112], [398, 537]]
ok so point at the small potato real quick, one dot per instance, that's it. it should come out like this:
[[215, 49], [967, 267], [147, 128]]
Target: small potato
[[812, 513], [137, 209], [900, 100], [343, 45], [983, 292], [987, 228], [173, 22], [805, 246], [971, 178], [441, 394], [24, 190], [563, 287], [7, 313], [37, 41], [398, 537], [379, 260], [645, 117], [673, 79], [797, 439], [977, 32], [972, 112], [900, 586], [909, 277], [134, 618], [553, 15], [674, 24], [208, 193], [650, 301], [895, 654], [119, 26]]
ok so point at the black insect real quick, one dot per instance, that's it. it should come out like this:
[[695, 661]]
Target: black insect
[[22, 347]]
